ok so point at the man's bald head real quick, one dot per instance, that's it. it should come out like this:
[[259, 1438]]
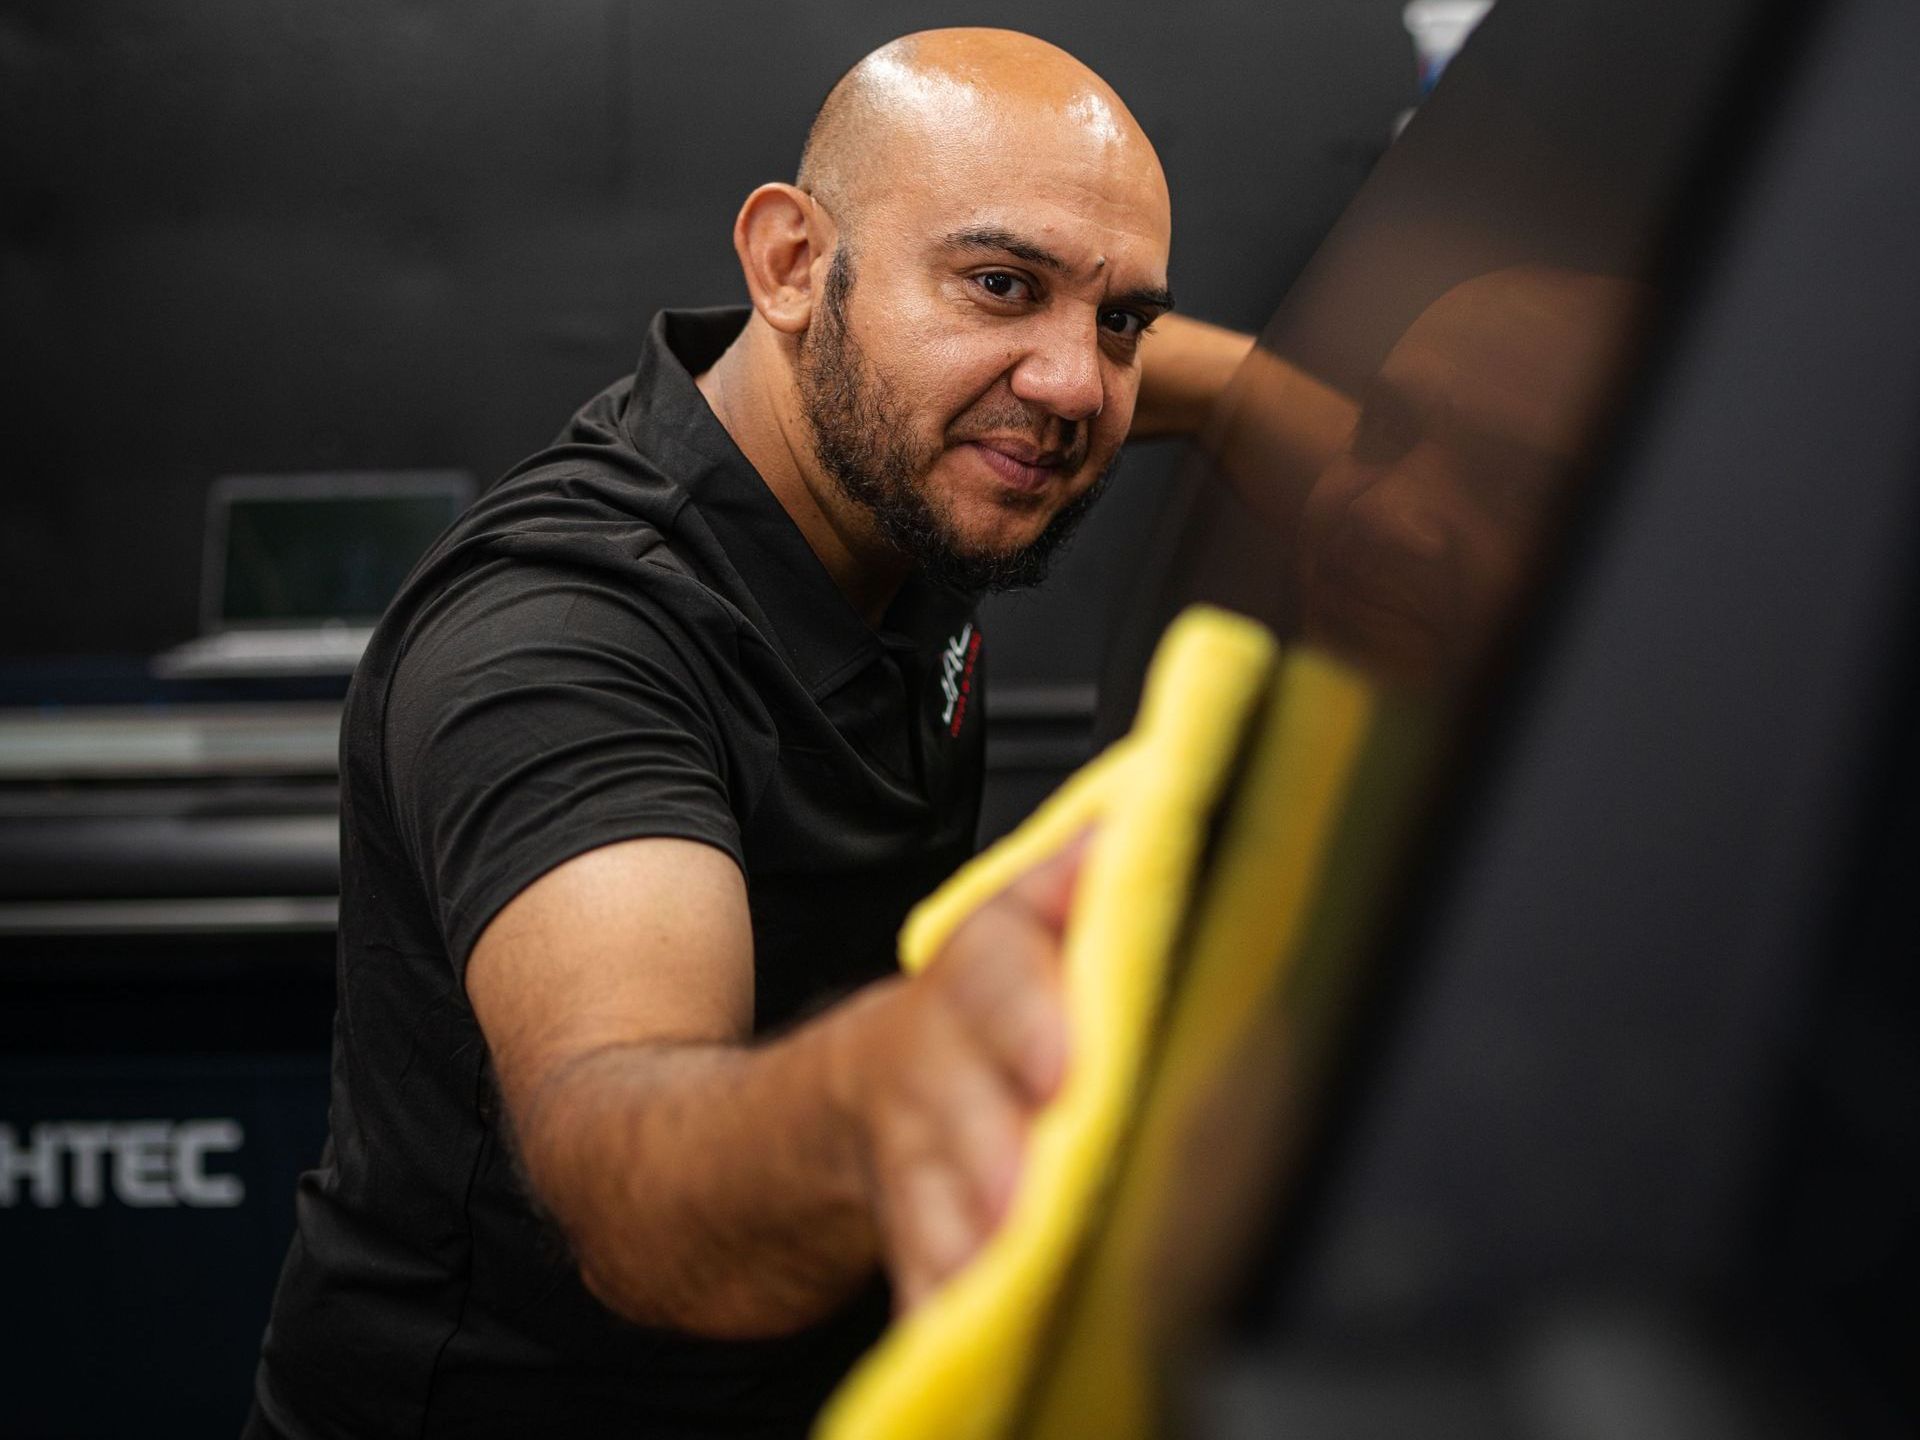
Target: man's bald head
[[896, 111]]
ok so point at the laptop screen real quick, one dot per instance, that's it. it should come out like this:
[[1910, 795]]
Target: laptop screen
[[295, 551]]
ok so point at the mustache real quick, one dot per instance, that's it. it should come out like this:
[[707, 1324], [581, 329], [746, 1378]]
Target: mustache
[[1063, 444]]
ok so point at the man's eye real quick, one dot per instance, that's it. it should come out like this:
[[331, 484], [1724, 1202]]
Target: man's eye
[[1002, 286], [1127, 324]]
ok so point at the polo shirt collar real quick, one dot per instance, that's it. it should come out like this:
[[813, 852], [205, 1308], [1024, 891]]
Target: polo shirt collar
[[785, 587]]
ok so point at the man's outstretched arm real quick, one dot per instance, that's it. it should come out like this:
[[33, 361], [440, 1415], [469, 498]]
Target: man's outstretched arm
[[1185, 365], [731, 1188], [1271, 425]]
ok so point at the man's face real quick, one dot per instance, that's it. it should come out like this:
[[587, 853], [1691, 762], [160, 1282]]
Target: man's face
[[1415, 540], [971, 367]]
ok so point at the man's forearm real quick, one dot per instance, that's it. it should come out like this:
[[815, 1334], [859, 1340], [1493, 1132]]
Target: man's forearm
[[1184, 366], [715, 1188], [738, 1190]]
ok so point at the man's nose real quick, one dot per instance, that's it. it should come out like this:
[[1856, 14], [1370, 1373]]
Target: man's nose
[[1061, 370]]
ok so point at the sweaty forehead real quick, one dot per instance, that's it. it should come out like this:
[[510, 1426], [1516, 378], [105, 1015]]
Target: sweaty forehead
[[1053, 178]]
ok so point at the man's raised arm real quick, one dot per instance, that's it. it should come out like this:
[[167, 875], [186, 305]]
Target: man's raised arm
[[712, 1184], [1185, 365], [1271, 425]]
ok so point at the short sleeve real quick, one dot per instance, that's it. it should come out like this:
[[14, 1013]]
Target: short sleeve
[[535, 715]]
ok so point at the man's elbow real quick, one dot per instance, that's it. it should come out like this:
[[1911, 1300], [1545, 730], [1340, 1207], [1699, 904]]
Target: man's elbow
[[718, 1309], [633, 1261]]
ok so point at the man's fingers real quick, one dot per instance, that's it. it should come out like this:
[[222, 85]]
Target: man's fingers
[[986, 1138], [1047, 889], [953, 1176], [1001, 970], [944, 1206], [950, 1158], [933, 1229]]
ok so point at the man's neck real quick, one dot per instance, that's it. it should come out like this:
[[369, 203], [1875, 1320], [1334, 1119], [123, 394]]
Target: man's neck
[[751, 391]]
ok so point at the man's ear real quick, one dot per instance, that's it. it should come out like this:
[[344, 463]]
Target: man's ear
[[781, 237]]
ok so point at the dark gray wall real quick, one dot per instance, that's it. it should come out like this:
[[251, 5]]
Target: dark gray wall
[[254, 235]]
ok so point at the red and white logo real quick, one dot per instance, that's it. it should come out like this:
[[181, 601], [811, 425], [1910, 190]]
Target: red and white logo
[[957, 662]]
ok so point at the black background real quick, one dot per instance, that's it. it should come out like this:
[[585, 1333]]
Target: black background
[[247, 237]]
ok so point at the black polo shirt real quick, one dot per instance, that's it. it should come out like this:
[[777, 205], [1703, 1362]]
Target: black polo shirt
[[627, 636]]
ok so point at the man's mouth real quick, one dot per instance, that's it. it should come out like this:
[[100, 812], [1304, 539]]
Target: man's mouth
[[1025, 467]]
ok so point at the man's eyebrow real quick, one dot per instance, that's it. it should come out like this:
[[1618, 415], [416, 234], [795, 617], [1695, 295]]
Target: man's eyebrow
[[1151, 297], [992, 237], [1005, 242]]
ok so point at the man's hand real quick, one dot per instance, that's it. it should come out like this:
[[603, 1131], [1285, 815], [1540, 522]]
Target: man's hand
[[947, 1070], [735, 1189]]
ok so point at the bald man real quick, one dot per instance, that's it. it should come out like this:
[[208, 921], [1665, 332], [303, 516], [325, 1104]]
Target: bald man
[[630, 1128]]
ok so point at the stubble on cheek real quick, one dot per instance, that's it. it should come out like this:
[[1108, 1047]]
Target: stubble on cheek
[[874, 442]]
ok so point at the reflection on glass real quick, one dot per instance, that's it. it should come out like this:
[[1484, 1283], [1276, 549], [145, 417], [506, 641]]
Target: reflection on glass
[[1383, 481], [1396, 526], [1401, 526], [1412, 540]]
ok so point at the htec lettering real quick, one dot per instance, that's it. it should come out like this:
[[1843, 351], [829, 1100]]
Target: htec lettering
[[144, 1164]]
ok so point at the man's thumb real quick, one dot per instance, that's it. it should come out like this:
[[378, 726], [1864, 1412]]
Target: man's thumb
[[1048, 888]]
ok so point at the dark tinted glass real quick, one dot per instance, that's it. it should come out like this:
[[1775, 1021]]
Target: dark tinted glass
[[1396, 477], [1389, 466]]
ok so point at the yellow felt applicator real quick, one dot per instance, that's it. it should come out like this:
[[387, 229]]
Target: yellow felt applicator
[[1212, 1106], [963, 1365]]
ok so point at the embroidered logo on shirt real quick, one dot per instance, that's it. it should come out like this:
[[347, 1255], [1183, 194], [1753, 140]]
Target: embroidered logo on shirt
[[957, 662]]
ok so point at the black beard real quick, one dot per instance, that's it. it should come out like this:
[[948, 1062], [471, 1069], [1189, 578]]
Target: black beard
[[860, 438]]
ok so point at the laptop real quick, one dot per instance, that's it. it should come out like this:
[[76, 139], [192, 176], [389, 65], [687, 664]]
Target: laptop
[[298, 568]]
